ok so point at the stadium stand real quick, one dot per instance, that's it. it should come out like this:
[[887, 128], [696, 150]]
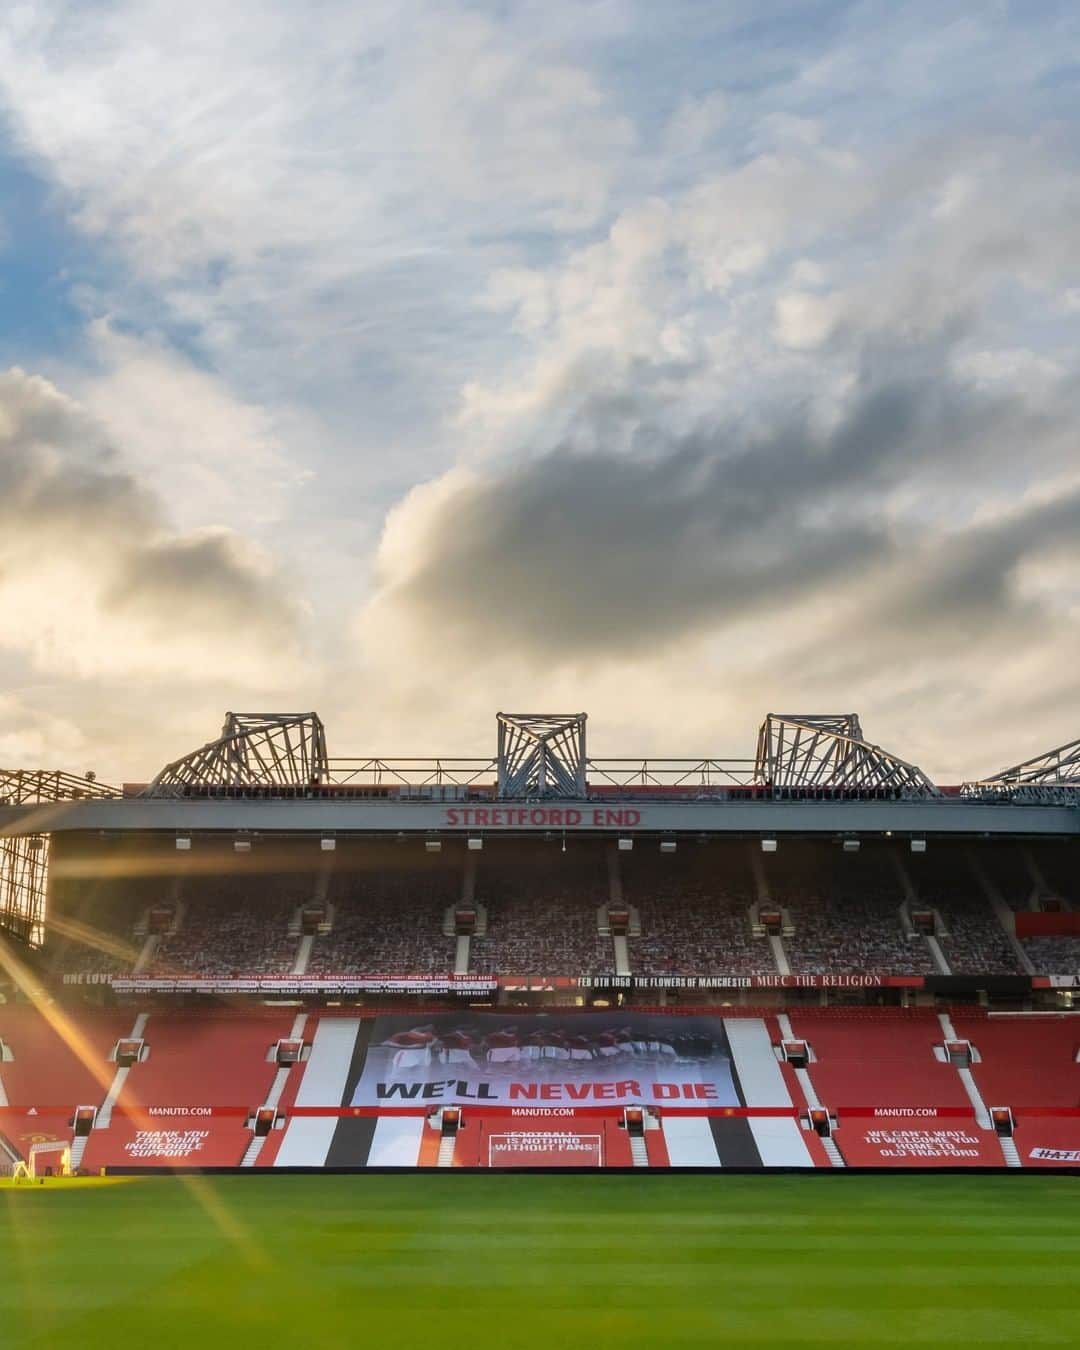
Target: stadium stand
[[193, 1062], [193, 1081], [386, 913], [542, 912], [224, 933], [845, 912], [972, 937], [695, 913]]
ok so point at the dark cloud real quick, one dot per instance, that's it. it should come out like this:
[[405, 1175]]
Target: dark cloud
[[588, 552], [209, 579]]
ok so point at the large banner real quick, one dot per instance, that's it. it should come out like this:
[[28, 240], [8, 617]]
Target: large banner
[[467, 986], [583, 1059], [479, 986]]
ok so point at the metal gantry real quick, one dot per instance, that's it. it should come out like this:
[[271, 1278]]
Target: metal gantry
[[1051, 779], [24, 885], [254, 750], [18, 787], [541, 755], [807, 752], [24, 858], [662, 772]]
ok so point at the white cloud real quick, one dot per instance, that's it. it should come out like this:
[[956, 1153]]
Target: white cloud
[[491, 262], [210, 455], [95, 580]]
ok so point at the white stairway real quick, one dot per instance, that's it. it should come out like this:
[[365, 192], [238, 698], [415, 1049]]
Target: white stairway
[[982, 1115], [938, 956], [832, 1152], [809, 1091], [779, 955], [78, 1148], [104, 1116], [252, 1152], [144, 958], [622, 955], [461, 954], [303, 955], [277, 1087], [446, 1151], [1004, 914], [1010, 1152], [638, 1152]]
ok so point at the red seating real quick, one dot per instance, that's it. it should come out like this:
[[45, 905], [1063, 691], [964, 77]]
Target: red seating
[[57, 1065], [879, 1063], [1025, 1060], [194, 1062]]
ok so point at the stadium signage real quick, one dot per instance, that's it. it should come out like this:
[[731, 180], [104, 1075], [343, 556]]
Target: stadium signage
[[471, 987], [542, 817], [870, 981], [923, 1144], [1070, 1155], [481, 986]]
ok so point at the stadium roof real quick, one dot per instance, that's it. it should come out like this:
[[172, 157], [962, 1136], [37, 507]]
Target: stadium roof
[[542, 756]]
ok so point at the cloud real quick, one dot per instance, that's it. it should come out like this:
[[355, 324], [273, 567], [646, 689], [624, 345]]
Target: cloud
[[604, 553], [703, 361], [188, 437], [94, 579]]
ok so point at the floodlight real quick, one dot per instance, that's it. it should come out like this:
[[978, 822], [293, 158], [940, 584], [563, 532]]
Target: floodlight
[[433, 845], [183, 842], [851, 845], [242, 845], [768, 846], [625, 845], [475, 844], [918, 846], [328, 844], [667, 845]]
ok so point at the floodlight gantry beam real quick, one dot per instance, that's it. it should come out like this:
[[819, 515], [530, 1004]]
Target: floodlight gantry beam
[[253, 750], [1052, 779], [828, 751], [541, 755]]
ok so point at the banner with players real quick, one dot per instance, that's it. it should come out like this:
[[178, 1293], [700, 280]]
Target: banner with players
[[581, 1059]]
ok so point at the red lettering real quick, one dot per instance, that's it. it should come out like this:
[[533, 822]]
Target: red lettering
[[604, 1090], [537, 817], [631, 816], [573, 817], [452, 816], [551, 1092], [665, 1091], [481, 815], [555, 817], [578, 1091], [704, 1090], [527, 1090], [629, 1088]]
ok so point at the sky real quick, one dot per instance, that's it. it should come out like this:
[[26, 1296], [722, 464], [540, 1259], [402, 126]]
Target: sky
[[676, 362]]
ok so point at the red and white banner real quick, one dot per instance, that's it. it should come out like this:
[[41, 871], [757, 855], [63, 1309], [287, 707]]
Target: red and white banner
[[467, 986], [475, 986]]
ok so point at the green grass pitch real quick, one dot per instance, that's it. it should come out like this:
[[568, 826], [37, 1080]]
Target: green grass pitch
[[517, 1261]]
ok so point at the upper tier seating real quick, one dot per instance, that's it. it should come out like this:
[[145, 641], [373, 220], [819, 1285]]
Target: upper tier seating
[[387, 916], [228, 934], [974, 941], [541, 912], [694, 909]]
